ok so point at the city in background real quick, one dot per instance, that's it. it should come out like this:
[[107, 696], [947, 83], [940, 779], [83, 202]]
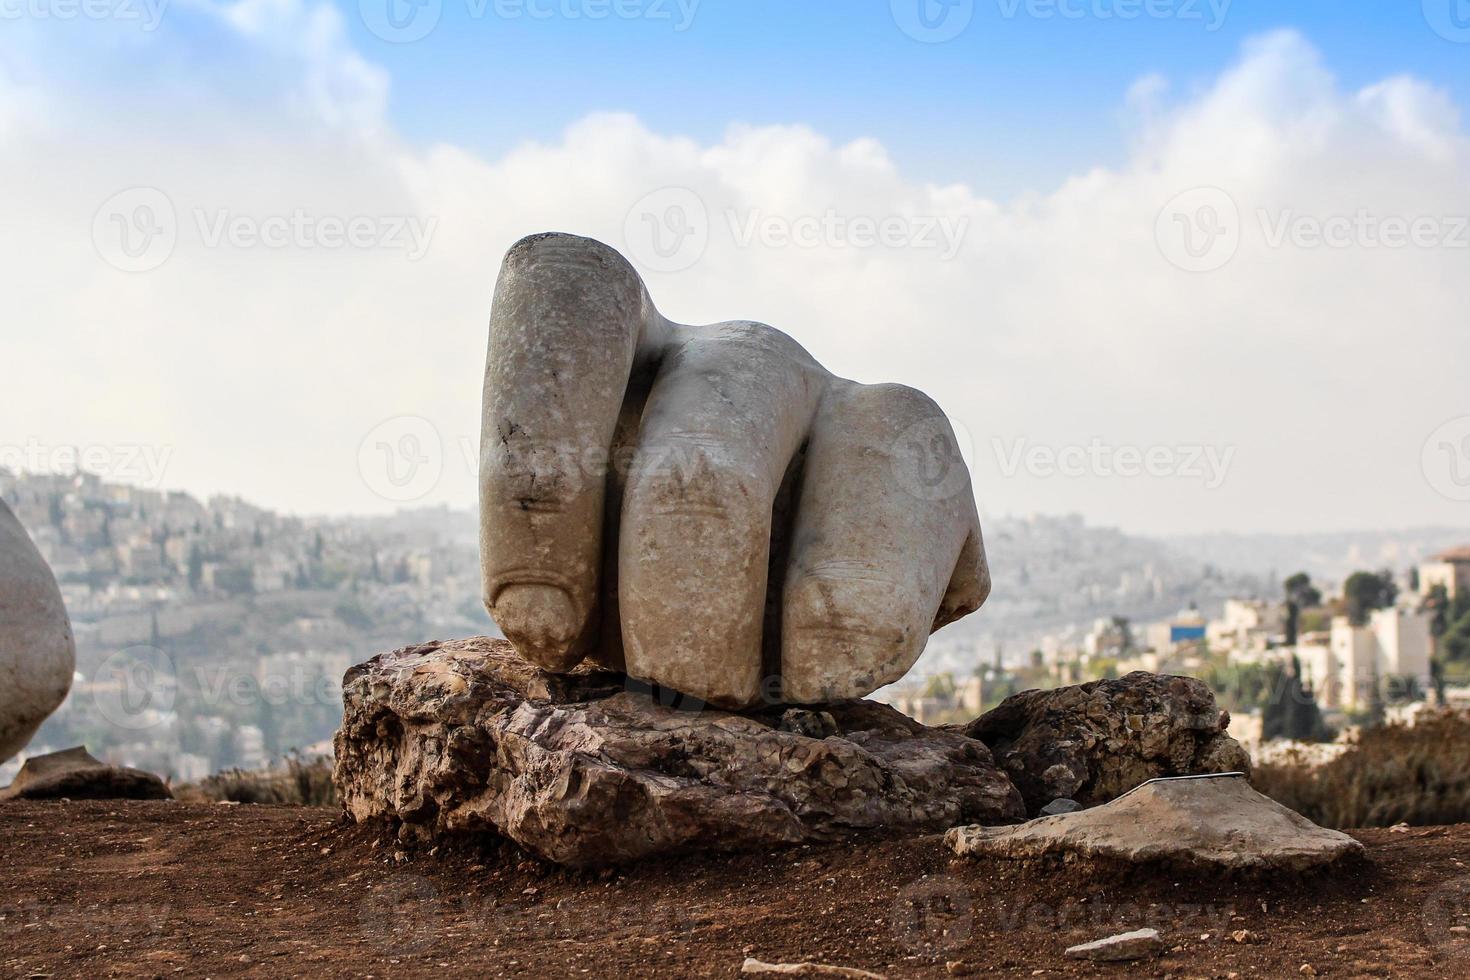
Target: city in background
[[213, 635]]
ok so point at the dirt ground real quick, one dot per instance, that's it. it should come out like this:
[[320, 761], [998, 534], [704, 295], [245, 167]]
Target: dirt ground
[[159, 889]]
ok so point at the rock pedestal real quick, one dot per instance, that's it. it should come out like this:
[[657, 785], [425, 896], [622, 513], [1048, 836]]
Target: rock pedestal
[[1093, 742], [464, 736]]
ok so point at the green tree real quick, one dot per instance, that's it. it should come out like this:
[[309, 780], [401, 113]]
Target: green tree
[[1366, 591], [1300, 594]]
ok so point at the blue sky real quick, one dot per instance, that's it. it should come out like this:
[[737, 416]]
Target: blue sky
[[1013, 104]]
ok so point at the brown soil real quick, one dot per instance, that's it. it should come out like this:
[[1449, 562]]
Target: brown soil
[[157, 889]]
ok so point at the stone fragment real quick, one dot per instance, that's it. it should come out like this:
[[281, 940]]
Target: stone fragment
[[806, 969], [1060, 805], [74, 774], [37, 652], [1094, 742], [1217, 823], [465, 736], [1125, 946]]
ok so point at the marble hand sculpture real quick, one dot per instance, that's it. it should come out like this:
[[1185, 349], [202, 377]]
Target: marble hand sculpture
[[37, 653], [707, 508]]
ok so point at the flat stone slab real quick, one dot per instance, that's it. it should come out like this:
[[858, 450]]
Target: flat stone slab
[[74, 774], [1125, 946], [465, 736], [1216, 822]]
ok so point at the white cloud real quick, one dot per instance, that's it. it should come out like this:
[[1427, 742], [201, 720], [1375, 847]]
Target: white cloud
[[1058, 321]]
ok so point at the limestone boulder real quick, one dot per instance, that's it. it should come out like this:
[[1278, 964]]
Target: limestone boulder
[[1093, 742], [1208, 823], [37, 652], [465, 736]]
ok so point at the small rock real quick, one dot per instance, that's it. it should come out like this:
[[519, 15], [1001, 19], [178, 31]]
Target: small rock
[[1125, 946], [958, 968], [807, 969], [1060, 805], [1308, 970], [1399, 828], [1245, 937]]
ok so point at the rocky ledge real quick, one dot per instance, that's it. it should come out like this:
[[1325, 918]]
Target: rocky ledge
[[582, 769]]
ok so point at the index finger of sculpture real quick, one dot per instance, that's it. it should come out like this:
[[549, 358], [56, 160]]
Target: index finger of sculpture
[[568, 319]]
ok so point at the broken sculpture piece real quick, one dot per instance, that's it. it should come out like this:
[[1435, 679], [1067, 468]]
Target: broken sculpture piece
[[706, 507], [1204, 823], [37, 652]]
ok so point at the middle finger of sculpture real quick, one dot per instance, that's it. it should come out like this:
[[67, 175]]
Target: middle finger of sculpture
[[707, 507]]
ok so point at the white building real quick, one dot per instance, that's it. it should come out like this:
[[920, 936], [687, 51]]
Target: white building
[[1450, 569], [1247, 626], [1393, 648]]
